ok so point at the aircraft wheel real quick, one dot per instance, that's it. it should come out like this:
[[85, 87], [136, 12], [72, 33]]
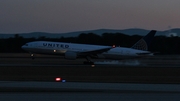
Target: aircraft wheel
[[32, 56]]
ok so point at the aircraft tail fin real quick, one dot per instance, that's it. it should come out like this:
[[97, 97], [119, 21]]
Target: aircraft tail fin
[[143, 43]]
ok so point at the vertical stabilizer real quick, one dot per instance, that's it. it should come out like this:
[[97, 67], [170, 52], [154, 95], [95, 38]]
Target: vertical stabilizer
[[144, 43]]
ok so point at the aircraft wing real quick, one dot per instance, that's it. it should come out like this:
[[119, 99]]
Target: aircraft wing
[[148, 53], [97, 51]]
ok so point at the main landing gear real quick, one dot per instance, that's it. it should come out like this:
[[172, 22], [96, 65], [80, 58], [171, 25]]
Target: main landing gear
[[32, 56], [88, 62]]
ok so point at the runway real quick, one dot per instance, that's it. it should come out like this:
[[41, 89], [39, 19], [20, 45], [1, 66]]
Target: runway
[[75, 91], [151, 79], [24, 59], [157, 69], [36, 86]]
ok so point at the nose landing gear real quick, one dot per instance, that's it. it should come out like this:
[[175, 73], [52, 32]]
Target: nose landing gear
[[32, 56]]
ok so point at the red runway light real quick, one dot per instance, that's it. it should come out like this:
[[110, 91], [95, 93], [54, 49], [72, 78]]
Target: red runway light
[[58, 79]]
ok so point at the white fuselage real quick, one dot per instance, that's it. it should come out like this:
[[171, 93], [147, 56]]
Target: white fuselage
[[60, 48]]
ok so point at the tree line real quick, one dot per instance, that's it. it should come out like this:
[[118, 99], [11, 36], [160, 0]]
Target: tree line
[[160, 44]]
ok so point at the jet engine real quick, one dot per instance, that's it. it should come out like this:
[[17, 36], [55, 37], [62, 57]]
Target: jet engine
[[70, 55]]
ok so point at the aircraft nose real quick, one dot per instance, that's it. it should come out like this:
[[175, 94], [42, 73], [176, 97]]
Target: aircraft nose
[[23, 47]]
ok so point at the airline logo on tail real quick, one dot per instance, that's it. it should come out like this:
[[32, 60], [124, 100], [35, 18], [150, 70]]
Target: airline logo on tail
[[144, 43], [140, 45]]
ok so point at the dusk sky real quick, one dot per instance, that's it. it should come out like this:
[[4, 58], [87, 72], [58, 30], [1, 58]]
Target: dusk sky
[[60, 16]]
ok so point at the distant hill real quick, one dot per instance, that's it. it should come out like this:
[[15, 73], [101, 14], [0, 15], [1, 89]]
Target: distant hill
[[133, 31]]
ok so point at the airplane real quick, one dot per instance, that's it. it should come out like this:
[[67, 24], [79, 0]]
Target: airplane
[[73, 51]]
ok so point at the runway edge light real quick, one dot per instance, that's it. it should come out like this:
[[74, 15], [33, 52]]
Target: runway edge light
[[63, 81], [58, 79]]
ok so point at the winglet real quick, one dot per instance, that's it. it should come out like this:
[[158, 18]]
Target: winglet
[[143, 43]]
